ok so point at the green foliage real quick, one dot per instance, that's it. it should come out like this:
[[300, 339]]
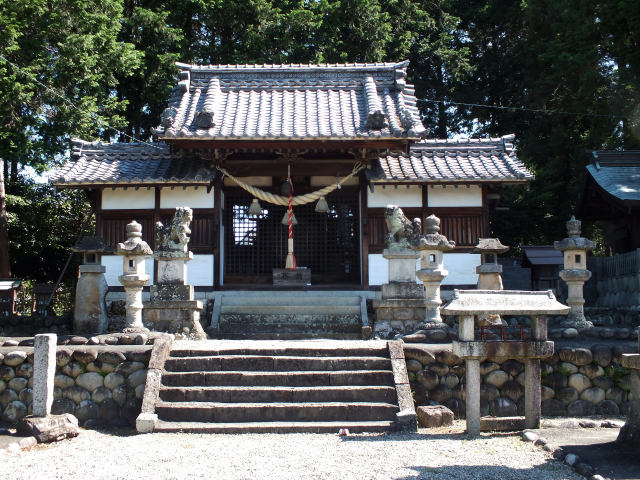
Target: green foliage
[[616, 372], [43, 226]]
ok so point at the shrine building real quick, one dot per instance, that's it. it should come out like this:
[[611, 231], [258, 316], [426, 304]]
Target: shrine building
[[232, 135]]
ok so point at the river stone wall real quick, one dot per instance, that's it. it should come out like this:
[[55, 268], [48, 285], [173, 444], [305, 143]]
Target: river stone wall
[[98, 384], [576, 381]]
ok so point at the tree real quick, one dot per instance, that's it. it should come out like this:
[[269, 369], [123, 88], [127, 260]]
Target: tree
[[5, 267], [58, 76]]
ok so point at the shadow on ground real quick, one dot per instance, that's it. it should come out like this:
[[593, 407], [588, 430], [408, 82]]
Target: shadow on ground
[[481, 472]]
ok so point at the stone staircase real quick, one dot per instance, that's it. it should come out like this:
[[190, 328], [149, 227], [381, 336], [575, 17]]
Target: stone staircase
[[290, 315], [283, 386]]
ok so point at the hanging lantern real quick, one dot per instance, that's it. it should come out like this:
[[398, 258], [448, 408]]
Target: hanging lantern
[[255, 209], [322, 206], [285, 219]]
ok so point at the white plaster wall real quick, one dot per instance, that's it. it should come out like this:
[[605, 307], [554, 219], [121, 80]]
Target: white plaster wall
[[129, 199], [194, 197], [200, 271], [390, 195], [461, 267], [323, 181], [256, 181], [463, 196], [113, 264]]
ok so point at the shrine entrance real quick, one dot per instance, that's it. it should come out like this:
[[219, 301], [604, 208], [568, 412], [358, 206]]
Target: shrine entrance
[[327, 243]]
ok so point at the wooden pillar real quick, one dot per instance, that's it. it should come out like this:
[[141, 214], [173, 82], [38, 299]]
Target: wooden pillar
[[364, 230], [217, 205]]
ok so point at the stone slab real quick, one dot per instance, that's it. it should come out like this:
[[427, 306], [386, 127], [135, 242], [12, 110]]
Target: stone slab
[[481, 350], [172, 272], [171, 292], [44, 370], [434, 416], [630, 360], [503, 302], [399, 303], [501, 424], [146, 422], [299, 276], [49, 429], [410, 290]]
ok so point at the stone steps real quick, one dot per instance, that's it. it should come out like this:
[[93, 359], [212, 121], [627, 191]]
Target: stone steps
[[274, 363], [306, 386], [274, 411], [287, 379], [261, 394], [308, 349], [274, 427]]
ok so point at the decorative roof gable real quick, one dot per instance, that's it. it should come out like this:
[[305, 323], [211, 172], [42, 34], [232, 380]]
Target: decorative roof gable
[[357, 101]]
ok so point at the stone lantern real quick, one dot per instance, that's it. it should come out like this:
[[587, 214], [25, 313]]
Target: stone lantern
[[575, 271], [90, 311], [431, 246], [133, 278], [489, 269]]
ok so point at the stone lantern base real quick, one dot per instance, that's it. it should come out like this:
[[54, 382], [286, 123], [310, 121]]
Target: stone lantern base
[[400, 309], [174, 316]]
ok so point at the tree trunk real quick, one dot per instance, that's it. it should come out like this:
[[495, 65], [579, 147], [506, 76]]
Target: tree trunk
[[5, 266]]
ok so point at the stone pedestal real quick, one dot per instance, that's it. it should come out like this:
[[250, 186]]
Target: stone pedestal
[[489, 276], [401, 307], [133, 278], [172, 307], [431, 247], [432, 279], [133, 285], [575, 280], [402, 264], [575, 273], [90, 311]]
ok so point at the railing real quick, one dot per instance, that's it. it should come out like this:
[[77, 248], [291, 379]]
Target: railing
[[112, 228], [464, 228]]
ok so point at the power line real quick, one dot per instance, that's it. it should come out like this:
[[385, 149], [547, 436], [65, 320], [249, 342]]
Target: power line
[[100, 122], [522, 109]]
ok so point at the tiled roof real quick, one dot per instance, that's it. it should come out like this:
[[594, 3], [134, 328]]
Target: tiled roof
[[617, 173], [451, 161], [354, 101], [96, 163]]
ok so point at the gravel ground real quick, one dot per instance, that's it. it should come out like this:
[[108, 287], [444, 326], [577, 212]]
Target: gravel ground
[[438, 454]]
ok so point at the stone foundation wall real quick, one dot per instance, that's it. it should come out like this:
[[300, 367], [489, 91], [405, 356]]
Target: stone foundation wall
[[29, 325], [576, 381], [98, 384]]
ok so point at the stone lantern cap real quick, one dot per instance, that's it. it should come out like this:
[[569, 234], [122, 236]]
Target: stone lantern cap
[[92, 245], [574, 241], [490, 245], [134, 244], [503, 302], [432, 240]]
